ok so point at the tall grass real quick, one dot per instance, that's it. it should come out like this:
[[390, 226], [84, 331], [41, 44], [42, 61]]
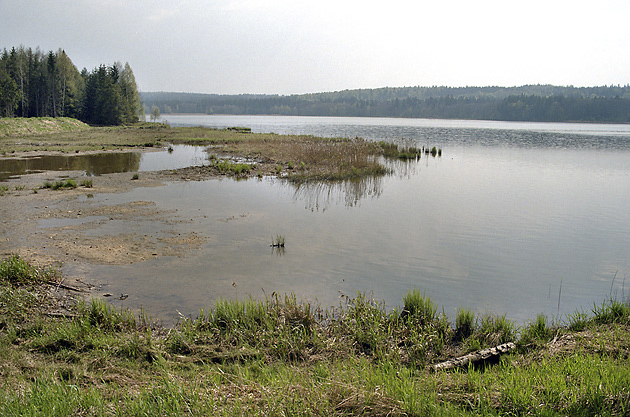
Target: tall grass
[[282, 356]]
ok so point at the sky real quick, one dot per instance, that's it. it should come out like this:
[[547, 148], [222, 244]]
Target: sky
[[293, 47]]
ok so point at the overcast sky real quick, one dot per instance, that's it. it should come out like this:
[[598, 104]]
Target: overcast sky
[[293, 46]]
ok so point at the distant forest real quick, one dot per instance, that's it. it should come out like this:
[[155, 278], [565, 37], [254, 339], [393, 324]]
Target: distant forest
[[37, 84], [542, 103]]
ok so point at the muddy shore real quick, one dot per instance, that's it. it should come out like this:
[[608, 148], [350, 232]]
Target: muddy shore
[[53, 227]]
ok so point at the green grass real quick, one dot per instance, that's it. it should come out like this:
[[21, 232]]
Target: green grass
[[60, 185], [320, 159], [87, 183], [39, 125], [280, 356], [225, 166]]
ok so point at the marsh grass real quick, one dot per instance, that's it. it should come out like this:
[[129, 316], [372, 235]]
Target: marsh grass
[[87, 183], [405, 151], [278, 241], [327, 159], [330, 159], [282, 356], [60, 185], [225, 166]]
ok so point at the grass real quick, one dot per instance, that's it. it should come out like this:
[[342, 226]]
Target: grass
[[298, 158], [280, 356], [405, 152], [278, 241], [60, 185], [39, 125], [228, 167]]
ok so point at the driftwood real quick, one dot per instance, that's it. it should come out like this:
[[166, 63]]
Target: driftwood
[[475, 358]]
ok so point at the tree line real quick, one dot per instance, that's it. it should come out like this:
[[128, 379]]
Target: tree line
[[38, 84], [546, 103]]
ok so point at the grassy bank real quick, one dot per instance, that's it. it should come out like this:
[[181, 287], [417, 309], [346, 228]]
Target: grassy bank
[[298, 158], [19, 127], [279, 356]]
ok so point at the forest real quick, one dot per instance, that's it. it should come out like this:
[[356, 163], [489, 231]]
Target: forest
[[38, 84], [544, 103]]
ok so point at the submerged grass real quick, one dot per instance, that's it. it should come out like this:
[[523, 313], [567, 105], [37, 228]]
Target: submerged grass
[[280, 356]]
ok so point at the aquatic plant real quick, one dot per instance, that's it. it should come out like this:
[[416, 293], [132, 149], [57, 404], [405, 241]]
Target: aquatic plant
[[277, 241], [405, 152], [86, 183]]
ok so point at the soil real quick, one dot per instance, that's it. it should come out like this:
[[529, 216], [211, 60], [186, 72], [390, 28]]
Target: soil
[[52, 227]]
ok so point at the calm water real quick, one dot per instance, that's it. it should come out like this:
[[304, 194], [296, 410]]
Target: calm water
[[181, 156], [509, 218]]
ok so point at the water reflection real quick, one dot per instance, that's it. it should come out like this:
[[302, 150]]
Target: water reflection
[[177, 156], [91, 164], [319, 195]]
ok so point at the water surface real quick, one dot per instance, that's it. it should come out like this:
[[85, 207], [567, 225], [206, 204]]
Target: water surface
[[512, 219]]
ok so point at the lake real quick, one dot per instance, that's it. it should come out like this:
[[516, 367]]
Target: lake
[[513, 218]]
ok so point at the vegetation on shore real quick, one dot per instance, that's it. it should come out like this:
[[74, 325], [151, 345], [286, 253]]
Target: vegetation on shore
[[279, 356], [37, 84], [298, 158]]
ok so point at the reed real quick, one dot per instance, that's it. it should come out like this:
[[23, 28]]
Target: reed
[[278, 241]]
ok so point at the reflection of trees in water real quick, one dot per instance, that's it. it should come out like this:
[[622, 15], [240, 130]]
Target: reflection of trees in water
[[321, 194], [92, 164]]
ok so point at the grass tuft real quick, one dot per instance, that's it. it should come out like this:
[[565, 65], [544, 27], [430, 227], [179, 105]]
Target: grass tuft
[[17, 271]]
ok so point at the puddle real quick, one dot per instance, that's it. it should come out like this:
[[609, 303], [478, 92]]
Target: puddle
[[181, 156]]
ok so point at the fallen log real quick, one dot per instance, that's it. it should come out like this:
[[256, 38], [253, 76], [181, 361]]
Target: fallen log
[[474, 358]]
